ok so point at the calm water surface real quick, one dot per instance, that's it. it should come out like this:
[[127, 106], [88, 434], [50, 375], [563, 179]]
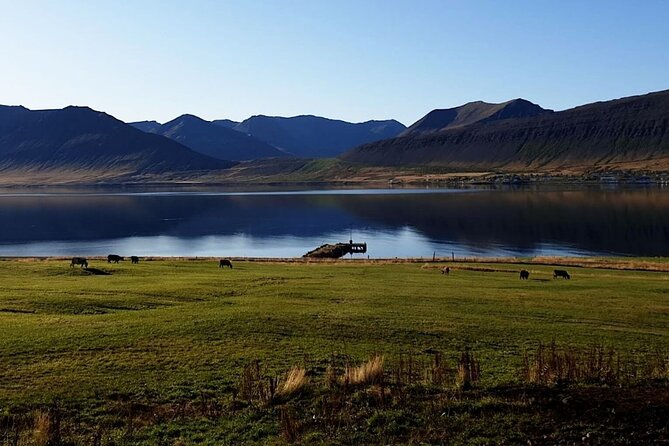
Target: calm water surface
[[394, 223]]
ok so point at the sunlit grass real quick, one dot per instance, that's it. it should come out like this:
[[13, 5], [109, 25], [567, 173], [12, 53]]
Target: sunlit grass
[[171, 331]]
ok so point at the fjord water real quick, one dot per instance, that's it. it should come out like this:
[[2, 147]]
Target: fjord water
[[394, 223]]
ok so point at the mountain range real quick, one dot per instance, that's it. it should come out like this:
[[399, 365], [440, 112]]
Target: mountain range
[[316, 137], [628, 130], [82, 139], [271, 136], [211, 139], [85, 145]]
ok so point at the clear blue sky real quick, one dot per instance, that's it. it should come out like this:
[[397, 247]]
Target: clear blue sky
[[352, 60]]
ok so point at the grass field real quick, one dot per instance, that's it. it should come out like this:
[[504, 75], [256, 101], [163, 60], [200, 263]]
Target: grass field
[[156, 353]]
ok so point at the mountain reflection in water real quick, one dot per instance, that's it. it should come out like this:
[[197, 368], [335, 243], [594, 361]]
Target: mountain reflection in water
[[394, 224]]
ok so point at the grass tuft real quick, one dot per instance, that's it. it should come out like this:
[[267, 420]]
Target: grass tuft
[[552, 365], [46, 430], [439, 374], [368, 373], [290, 425], [255, 386], [468, 371], [296, 380]]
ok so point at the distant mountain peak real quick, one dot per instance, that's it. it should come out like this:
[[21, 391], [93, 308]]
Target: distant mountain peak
[[311, 136], [213, 139], [473, 112], [81, 139], [146, 126], [13, 107], [185, 119], [189, 117], [79, 107], [227, 123]]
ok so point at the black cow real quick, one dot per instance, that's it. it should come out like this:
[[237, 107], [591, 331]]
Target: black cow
[[114, 258], [224, 262], [79, 261], [445, 270], [134, 259], [524, 274], [560, 273]]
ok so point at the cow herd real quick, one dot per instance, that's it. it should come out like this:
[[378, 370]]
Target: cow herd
[[115, 258], [223, 263], [111, 258], [524, 274]]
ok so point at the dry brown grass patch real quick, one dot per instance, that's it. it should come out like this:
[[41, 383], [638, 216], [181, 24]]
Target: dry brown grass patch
[[295, 381], [551, 364], [46, 430], [368, 373]]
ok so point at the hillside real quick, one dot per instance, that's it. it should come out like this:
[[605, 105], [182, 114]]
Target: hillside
[[79, 139], [470, 113], [213, 140], [633, 129], [316, 137]]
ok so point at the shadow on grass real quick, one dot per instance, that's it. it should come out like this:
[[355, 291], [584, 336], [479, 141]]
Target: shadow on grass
[[97, 272]]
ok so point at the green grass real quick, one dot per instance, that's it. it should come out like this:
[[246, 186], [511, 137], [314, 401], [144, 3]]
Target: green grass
[[164, 332]]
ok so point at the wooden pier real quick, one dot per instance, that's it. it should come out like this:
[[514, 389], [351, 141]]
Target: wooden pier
[[337, 250]]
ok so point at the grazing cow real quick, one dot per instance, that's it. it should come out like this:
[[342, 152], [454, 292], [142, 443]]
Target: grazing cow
[[445, 270], [224, 262], [114, 258], [560, 273], [524, 274], [79, 261], [134, 259]]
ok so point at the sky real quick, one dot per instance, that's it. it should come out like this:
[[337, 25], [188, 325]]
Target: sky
[[350, 60]]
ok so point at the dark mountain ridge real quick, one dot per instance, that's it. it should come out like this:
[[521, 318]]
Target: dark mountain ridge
[[213, 140], [316, 137], [147, 126], [227, 123], [623, 130], [472, 112], [76, 138]]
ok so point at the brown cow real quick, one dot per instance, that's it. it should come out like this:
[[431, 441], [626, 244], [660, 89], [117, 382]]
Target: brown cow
[[224, 262]]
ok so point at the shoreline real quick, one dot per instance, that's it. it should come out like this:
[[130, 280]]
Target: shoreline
[[410, 177], [325, 186]]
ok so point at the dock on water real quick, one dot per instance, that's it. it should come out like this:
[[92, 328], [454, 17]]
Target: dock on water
[[337, 250]]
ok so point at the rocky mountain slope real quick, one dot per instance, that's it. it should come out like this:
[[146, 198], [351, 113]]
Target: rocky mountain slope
[[633, 129], [444, 119], [77, 139]]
